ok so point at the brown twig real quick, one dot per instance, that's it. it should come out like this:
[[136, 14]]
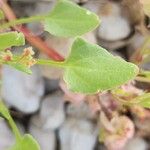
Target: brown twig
[[30, 37]]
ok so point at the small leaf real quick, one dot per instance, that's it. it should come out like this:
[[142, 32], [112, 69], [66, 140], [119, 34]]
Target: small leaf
[[143, 100], [68, 20], [91, 68], [11, 39], [26, 143]]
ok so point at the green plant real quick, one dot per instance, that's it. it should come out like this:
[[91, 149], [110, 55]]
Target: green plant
[[22, 142], [88, 69]]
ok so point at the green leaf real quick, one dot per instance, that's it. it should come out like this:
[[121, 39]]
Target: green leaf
[[143, 100], [27, 142], [91, 68], [22, 143], [68, 20], [20, 67], [11, 39]]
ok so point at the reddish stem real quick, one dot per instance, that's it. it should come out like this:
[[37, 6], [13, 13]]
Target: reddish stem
[[30, 37], [38, 43]]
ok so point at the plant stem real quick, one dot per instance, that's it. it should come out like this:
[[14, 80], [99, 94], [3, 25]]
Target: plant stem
[[142, 79], [124, 102], [5, 114], [21, 21], [50, 62], [14, 128], [40, 44], [30, 37]]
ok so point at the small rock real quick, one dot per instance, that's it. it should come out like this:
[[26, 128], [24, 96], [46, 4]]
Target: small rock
[[136, 143], [92, 5], [45, 138], [51, 85], [80, 111], [7, 139], [52, 111], [77, 134], [113, 26], [51, 115], [22, 91]]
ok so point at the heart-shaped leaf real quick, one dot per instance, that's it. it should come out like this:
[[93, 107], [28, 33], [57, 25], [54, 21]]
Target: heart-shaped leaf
[[68, 20], [11, 39], [90, 68]]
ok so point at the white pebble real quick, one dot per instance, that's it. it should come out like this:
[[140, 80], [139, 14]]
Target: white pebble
[[77, 135], [52, 111], [136, 144], [45, 138], [22, 91]]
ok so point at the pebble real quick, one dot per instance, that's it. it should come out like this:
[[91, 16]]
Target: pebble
[[22, 91], [136, 143], [6, 137], [76, 134], [51, 115], [45, 138]]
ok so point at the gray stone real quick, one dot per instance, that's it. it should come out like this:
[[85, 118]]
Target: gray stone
[[52, 113], [80, 111], [22, 91], [45, 138], [136, 143], [7, 139], [76, 134]]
